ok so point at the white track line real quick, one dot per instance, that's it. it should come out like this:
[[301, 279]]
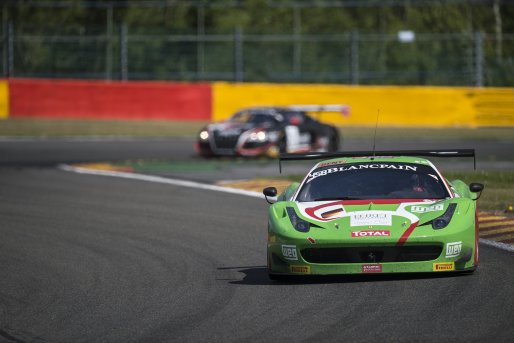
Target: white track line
[[198, 185], [159, 179]]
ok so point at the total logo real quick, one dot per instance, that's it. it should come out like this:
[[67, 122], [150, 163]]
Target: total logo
[[371, 233]]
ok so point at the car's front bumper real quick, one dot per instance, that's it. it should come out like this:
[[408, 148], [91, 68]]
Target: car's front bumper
[[296, 258]]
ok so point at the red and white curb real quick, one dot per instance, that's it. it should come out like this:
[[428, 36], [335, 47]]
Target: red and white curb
[[497, 231]]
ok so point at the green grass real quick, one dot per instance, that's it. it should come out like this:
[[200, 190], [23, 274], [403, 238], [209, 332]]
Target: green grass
[[484, 133], [497, 195], [134, 128], [153, 128], [499, 187]]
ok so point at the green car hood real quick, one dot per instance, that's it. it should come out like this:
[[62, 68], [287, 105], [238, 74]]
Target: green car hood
[[363, 214]]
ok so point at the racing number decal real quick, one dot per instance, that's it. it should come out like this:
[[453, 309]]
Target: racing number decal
[[295, 139], [292, 137]]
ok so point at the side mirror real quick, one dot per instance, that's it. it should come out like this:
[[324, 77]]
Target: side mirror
[[476, 188], [270, 192]]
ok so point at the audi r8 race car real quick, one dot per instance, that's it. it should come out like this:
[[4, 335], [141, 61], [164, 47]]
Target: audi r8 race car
[[386, 212], [267, 131]]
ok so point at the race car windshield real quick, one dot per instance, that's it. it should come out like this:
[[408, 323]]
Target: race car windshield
[[373, 180], [253, 118]]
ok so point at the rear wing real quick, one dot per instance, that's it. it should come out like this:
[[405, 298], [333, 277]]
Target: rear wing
[[319, 108], [373, 154]]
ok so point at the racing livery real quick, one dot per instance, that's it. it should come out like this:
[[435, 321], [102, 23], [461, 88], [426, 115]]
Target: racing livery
[[391, 212], [268, 131]]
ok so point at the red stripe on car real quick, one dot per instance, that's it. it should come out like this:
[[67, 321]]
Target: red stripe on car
[[407, 233]]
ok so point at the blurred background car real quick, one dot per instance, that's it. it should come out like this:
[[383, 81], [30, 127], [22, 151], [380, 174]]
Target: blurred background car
[[268, 131]]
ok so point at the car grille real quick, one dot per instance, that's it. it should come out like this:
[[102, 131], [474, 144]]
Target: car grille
[[253, 145], [225, 142], [372, 254]]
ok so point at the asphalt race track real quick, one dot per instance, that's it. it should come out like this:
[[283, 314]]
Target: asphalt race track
[[49, 152], [88, 258]]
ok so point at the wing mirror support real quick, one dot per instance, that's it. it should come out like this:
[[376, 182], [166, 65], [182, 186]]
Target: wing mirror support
[[270, 192], [476, 188]]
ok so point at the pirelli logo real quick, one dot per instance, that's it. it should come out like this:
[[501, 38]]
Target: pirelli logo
[[300, 269], [443, 266]]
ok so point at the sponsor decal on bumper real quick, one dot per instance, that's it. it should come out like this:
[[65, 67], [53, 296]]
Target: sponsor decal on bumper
[[372, 268], [289, 252], [443, 266], [300, 269], [371, 233], [453, 249]]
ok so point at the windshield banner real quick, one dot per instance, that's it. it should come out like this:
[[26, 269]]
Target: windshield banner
[[359, 167]]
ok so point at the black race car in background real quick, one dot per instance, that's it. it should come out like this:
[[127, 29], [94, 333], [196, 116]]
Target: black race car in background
[[268, 131]]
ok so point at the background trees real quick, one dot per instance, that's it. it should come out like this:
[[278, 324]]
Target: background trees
[[468, 42]]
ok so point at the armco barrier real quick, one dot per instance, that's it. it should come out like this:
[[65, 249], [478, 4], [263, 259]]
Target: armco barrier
[[80, 99], [4, 99], [399, 106]]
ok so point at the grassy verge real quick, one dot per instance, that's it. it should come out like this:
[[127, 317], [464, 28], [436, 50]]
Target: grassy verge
[[398, 133], [497, 195], [153, 128], [61, 128], [499, 187]]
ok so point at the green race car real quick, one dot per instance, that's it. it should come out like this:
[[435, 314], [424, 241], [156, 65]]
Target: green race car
[[373, 212]]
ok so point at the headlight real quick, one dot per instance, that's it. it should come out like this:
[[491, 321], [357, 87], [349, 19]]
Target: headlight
[[298, 223], [260, 136], [443, 221], [204, 135]]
